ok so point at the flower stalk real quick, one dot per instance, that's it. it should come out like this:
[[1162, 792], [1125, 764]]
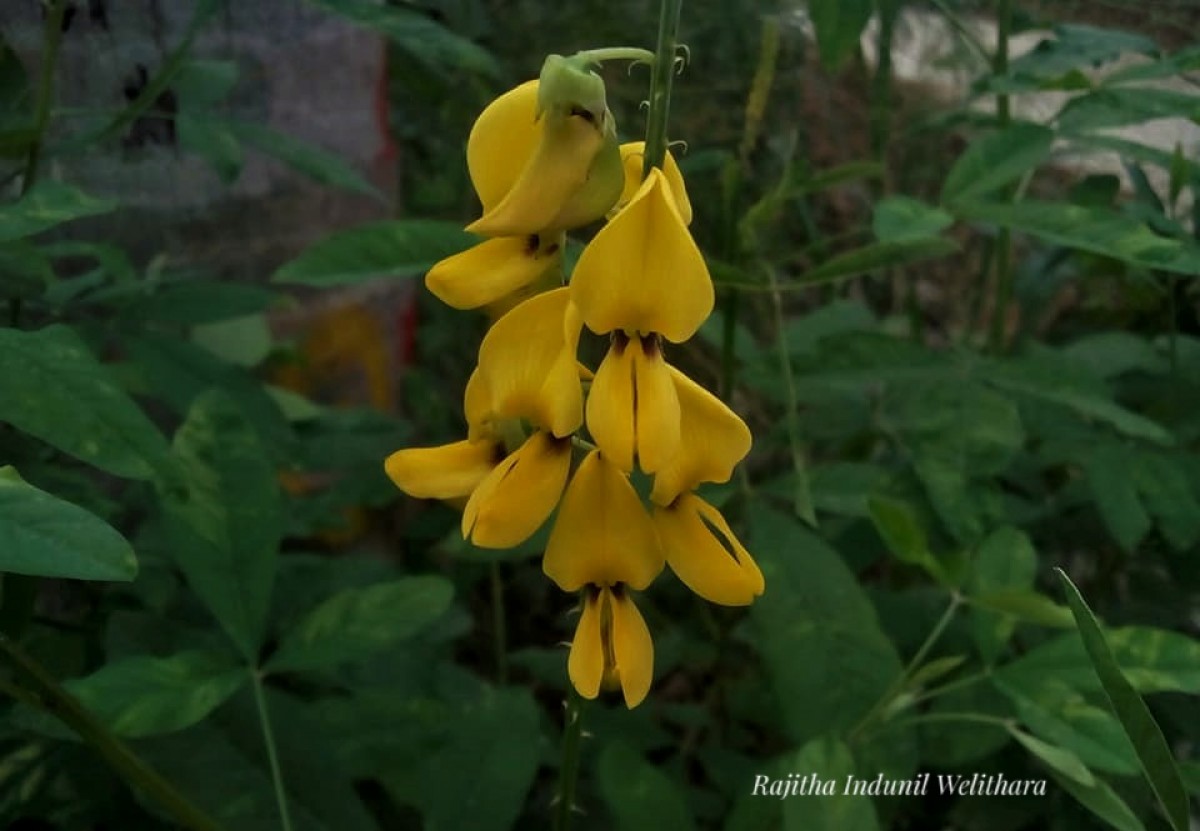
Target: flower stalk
[[663, 73], [568, 774]]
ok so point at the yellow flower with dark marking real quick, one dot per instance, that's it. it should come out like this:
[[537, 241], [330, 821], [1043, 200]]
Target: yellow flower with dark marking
[[643, 272], [698, 543], [451, 471], [612, 647]]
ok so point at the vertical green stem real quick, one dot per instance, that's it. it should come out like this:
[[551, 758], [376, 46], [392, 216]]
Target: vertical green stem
[[568, 774], [1004, 237], [499, 625], [50, 696], [51, 39], [264, 717], [661, 77]]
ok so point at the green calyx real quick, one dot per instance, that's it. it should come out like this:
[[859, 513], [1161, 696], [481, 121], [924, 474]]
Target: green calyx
[[568, 85]]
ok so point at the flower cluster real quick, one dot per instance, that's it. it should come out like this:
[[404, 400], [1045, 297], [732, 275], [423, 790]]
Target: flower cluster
[[544, 159]]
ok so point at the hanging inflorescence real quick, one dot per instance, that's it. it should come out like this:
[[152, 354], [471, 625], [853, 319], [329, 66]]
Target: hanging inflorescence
[[544, 159]]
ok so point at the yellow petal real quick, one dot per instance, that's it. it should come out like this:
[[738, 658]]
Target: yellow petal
[[656, 419], [712, 440], [491, 270], [446, 472], [512, 502], [633, 157], [703, 552], [600, 192], [586, 662], [632, 648], [632, 407], [557, 171], [502, 141], [643, 272], [527, 366], [477, 403], [602, 534], [610, 404]]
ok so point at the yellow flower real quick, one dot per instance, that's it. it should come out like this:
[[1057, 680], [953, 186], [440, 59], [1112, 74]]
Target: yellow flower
[[704, 553], [517, 496], [712, 440], [570, 175], [612, 647], [633, 408], [633, 157], [496, 269], [451, 471], [527, 368], [603, 535], [643, 272]]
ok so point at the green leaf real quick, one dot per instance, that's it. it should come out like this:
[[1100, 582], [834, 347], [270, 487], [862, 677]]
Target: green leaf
[[1063, 761], [1163, 485], [1025, 605], [814, 624], [900, 529], [195, 302], [902, 219], [44, 536], [1115, 493], [639, 795], [225, 522], [204, 83], [829, 759], [1158, 764], [213, 141], [876, 256], [242, 341], [394, 248], [1077, 46], [1062, 715], [1102, 801], [1154, 660], [1005, 560], [319, 164], [839, 24], [145, 696], [1098, 230], [355, 623], [435, 46], [1015, 379], [996, 160], [52, 388], [1122, 106], [47, 204]]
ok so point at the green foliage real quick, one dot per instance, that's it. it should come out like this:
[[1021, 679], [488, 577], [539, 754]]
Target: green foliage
[[214, 604]]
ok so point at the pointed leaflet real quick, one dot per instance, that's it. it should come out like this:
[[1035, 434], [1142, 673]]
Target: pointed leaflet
[[44, 536], [51, 387], [1158, 764], [225, 519]]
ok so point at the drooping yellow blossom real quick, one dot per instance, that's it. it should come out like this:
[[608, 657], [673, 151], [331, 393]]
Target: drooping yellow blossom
[[633, 157], [513, 501], [574, 173], [527, 368], [494, 269], [633, 409], [704, 553], [451, 471], [697, 541], [603, 534], [643, 272], [612, 647]]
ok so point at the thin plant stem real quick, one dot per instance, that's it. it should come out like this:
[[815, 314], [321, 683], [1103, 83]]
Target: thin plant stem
[[499, 625], [51, 697], [264, 717], [568, 774], [1003, 259], [803, 498], [951, 686], [956, 718], [51, 40], [919, 658], [663, 73]]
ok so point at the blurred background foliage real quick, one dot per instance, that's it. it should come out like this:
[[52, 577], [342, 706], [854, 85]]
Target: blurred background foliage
[[967, 357]]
